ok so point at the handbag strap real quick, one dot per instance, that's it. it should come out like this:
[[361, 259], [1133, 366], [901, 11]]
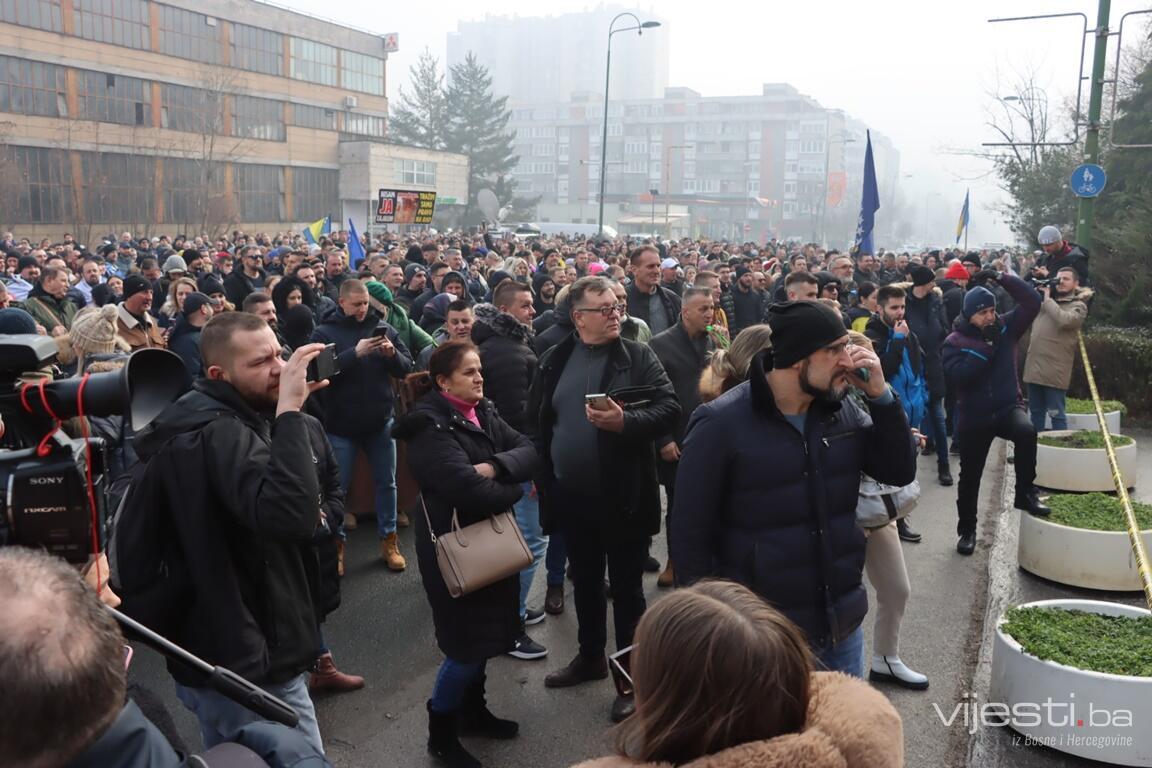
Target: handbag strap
[[428, 520], [890, 505]]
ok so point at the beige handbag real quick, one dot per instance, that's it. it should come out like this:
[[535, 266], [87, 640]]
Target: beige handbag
[[472, 557]]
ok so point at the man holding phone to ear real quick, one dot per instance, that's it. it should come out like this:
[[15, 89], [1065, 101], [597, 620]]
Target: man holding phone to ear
[[358, 406]]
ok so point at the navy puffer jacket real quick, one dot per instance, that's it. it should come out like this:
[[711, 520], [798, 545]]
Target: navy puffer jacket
[[761, 505]]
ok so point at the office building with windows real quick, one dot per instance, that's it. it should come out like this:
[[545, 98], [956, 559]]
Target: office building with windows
[[743, 167], [182, 116]]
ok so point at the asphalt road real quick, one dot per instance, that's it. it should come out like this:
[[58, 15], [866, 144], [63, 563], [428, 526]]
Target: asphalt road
[[383, 631]]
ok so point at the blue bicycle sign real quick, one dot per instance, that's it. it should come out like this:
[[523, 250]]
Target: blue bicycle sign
[[1088, 180]]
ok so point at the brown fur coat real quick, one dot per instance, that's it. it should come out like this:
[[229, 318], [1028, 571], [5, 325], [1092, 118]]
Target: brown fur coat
[[850, 725]]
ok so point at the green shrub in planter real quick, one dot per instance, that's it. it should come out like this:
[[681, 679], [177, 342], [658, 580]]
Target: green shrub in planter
[[1078, 406], [1082, 439], [1096, 512], [1122, 363], [1115, 645]]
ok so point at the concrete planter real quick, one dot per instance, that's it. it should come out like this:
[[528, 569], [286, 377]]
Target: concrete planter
[[1089, 421], [1070, 710], [1082, 469], [1077, 556]]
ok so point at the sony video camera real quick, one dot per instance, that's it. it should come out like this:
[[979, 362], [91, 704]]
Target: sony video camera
[[49, 482]]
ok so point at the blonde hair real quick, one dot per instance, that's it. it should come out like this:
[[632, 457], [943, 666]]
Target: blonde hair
[[170, 308], [729, 367]]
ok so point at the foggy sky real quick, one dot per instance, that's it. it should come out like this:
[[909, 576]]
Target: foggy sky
[[924, 73]]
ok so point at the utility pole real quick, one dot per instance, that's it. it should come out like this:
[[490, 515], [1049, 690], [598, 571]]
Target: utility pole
[[1087, 208]]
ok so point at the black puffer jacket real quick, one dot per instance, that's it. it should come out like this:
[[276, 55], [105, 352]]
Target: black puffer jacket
[[508, 360], [759, 504], [239, 495], [560, 329], [926, 319], [443, 446], [359, 400]]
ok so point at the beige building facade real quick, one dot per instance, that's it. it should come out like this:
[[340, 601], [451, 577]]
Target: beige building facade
[[191, 117]]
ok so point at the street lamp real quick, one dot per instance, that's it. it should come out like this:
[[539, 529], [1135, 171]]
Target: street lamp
[[639, 27]]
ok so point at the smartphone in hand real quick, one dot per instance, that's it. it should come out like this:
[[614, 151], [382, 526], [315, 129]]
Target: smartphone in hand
[[599, 402], [324, 365]]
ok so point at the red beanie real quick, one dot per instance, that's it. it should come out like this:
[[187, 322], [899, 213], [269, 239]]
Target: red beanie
[[956, 271]]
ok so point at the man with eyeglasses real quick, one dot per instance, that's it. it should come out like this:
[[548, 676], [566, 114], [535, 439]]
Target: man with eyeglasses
[[595, 409], [248, 279], [769, 474]]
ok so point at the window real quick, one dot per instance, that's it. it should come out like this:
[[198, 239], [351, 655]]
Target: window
[[260, 189], [362, 73], [365, 125], [257, 50], [38, 14], [256, 118], [615, 129], [190, 109], [313, 62], [635, 148], [543, 150], [812, 147], [114, 99], [120, 22], [539, 169], [315, 192], [189, 189], [307, 116], [636, 166], [31, 88], [118, 187], [189, 35], [543, 131], [754, 186], [416, 172], [43, 195]]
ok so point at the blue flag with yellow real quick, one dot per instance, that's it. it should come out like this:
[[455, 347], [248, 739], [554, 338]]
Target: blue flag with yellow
[[869, 203], [963, 223], [317, 229]]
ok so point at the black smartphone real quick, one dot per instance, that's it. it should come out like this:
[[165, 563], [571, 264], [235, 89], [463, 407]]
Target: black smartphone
[[620, 663], [324, 365], [381, 330]]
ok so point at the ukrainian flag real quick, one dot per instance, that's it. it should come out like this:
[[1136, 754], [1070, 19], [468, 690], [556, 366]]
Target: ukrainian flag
[[963, 223], [317, 229]]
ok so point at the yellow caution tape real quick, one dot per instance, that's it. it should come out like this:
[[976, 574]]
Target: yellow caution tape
[[1129, 514]]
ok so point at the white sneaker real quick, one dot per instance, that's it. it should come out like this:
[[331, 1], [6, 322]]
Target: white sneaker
[[889, 669]]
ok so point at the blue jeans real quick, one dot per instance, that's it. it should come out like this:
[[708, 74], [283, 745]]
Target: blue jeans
[[846, 656], [381, 452], [1044, 402], [221, 718], [452, 682], [935, 427], [528, 518], [556, 559]]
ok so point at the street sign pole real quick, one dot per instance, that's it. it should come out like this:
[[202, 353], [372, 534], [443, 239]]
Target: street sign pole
[[1087, 208]]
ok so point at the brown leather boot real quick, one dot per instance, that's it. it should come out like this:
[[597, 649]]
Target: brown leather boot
[[667, 578], [402, 520], [390, 552], [349, 521], [327, 678], [340, 558]]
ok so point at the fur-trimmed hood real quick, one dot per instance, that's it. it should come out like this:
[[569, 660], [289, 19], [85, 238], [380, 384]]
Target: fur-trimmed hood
[[491, 321], [907, 286], [1082, 293], [850, 725]]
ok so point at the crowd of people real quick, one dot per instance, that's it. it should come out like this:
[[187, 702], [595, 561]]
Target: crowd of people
[[756, 401]]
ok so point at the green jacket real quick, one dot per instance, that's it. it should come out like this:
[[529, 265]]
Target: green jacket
[[48, 310], [413, 336]]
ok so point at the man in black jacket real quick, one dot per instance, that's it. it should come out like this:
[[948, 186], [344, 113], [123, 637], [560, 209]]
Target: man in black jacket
[[248, 279], [598, 480], [246, 529], [357, 407], [683, 350], [647, 299], [770, 472], [744, 305], [924, 311], [503, 334]]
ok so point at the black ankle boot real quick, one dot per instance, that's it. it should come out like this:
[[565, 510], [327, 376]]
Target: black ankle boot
[[442, 741], [477, 720]]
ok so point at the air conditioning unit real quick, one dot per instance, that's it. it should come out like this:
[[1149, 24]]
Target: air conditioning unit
[[350, 102]]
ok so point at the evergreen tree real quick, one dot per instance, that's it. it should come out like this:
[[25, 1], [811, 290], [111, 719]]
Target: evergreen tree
[[478, 127], [420, 118]]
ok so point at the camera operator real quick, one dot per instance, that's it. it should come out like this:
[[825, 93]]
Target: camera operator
[[243, 532], [1059, 253], [1052, 348], [64, 703]]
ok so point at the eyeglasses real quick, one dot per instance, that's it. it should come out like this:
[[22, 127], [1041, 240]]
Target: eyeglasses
[[606, 312]]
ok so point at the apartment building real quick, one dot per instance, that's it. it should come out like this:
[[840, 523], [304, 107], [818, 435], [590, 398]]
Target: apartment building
[[188, 116]]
